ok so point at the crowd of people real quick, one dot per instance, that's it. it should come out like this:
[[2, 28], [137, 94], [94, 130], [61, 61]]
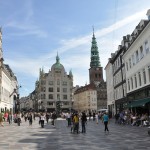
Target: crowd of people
[[75, 120], [27, 116], [133, 119]]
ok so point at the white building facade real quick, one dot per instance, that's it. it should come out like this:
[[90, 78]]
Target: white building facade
[[8, 85], [110, 87], [137, 64], [131, 71]]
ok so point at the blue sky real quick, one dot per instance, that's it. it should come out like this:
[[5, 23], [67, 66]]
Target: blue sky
[[34, 30]]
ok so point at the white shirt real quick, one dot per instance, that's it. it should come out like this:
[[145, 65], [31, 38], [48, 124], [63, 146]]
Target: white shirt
[[42, 117]]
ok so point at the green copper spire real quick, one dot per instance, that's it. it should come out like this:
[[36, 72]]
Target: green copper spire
[[57, 58], [95, 62], [70, 73], [58, 65]]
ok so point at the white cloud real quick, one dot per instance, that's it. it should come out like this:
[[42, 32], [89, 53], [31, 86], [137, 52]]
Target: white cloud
[[81, 48]]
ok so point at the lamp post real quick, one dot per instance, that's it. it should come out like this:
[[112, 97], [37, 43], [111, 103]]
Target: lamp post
[[58, 106]]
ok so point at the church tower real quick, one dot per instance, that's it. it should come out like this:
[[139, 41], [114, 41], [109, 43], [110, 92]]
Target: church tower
[[95, 71]]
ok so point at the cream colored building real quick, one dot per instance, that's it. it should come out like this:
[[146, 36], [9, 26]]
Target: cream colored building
[[85, 99]]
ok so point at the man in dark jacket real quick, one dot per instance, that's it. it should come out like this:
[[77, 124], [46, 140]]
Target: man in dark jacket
[[54, 117], [83, 122]]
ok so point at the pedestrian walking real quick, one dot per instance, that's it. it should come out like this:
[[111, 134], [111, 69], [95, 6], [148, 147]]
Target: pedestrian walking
[[30, 119], [6, 116], [10, 118], [93, 116], [39, 115], [18, 118], [72, 122], [47, 117], [54, 117], [42, 120], [83, 122], [96, 116], [76, 123], [69, 119], [25, 117], [105, 119], [90, 115]]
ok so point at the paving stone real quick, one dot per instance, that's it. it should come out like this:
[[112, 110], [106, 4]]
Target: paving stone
[[13, 137]]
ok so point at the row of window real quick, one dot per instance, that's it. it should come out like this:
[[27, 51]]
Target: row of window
[[102, 95], [116, 64], [91, 92], [139, 79], [137, 55], [58, 82], [118, 77], [43, 82], [51, 89], [120, 92], [51, 96], [53, 103]]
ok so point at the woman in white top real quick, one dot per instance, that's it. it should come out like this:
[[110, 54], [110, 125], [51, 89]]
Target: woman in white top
[[42, 120]]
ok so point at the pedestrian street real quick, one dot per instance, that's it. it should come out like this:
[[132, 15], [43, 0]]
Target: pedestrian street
[[13, 137]]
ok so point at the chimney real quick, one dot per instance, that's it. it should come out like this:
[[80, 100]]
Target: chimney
[[148, 14]]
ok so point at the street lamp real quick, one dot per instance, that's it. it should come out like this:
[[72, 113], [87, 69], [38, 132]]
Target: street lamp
[[58, 106]]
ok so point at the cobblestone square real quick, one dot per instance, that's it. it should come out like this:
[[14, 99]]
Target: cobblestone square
[[13, 137]]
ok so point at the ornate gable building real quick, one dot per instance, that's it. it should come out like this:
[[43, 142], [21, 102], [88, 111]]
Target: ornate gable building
[[53, 87]]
